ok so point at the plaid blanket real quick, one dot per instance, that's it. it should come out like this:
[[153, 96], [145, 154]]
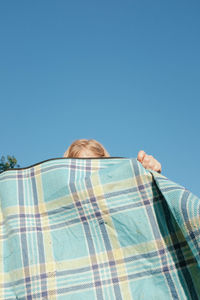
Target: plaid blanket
[[97, 229]]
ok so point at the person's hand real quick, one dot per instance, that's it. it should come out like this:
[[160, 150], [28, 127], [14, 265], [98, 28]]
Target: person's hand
[[148, 161]]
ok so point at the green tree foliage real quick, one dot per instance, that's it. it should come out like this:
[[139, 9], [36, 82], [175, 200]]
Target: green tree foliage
[[11, 163]]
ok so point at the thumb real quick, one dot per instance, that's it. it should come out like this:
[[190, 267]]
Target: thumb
[[141, 155]]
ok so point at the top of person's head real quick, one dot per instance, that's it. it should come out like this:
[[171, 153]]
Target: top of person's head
[[86, 148]]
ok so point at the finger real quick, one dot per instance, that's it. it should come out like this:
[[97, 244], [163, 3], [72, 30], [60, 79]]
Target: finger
[[155, 166], [141, 155], [151, 165], [158, 167], [146, 162], [146, 159], [149, 162]]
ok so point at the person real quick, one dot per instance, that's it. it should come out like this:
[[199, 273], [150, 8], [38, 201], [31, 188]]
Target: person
[[84, 148]]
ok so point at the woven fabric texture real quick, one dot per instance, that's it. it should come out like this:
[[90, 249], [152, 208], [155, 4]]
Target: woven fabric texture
[[97, 229]]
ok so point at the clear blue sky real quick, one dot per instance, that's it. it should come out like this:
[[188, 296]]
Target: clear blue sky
[[126, 73]]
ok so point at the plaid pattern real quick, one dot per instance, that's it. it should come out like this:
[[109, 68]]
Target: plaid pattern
[[97, 229]]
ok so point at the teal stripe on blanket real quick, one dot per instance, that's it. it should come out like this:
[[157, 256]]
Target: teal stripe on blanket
[[97, 229]]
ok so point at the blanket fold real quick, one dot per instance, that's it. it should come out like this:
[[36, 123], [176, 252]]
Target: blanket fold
[[97, 229]]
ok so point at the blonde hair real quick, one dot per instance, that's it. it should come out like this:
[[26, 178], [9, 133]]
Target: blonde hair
[[87, 148]]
